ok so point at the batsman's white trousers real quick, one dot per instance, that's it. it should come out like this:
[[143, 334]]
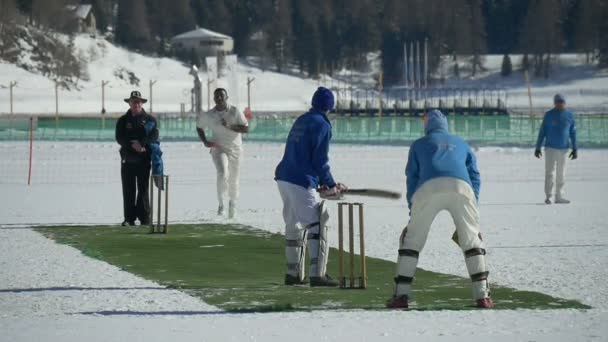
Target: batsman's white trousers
[[457, 197], [301, 213], [555, 160], [228, 166]]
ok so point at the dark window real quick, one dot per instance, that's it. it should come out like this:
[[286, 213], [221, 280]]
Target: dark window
[[210, 43]]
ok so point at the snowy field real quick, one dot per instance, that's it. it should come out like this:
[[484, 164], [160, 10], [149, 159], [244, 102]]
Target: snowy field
[[52, 292]]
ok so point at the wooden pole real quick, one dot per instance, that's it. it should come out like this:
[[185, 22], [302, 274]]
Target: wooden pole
[[166, 204], [341, 245], [152, 204], [405, 62], [380, 88], [29, 174], [209, 82], [151, 85], [418, 62], [527, 78], [426, 62], [363, 283], [249, 81], [11, 86], [56, 104], [351, 245], [103, 103]]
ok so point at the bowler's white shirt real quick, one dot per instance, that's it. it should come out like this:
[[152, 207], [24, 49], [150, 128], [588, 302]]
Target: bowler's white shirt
[[223, 137]]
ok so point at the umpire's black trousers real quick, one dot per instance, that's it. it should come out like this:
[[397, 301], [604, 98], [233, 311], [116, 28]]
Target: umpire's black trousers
[[135, 179]]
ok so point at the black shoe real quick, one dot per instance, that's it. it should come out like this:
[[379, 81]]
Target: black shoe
[[144, 223], [127, 223], [324, 281], [293, 280]]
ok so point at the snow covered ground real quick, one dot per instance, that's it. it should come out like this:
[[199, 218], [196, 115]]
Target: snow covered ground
[[584, 85], [52, 292]]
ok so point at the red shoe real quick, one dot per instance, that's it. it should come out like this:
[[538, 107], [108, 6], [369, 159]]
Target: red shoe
[[485, 303], [398, 302]]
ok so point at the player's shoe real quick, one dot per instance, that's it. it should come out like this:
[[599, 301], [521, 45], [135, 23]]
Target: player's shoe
[[485, 303], [231, 209], [127, 223], [561, 201], [548, 201], [220, 210], [398, 302], [325, 281], [294, 280]]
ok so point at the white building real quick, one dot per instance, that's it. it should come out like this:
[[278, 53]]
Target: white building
[[84, 17], [206, 42]]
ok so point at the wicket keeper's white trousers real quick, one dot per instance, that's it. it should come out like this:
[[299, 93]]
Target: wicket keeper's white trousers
[[555, 160], [301, 213], [228, 165], [457, 197]]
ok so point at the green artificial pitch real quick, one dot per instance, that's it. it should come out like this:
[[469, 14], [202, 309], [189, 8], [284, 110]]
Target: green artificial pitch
[[241, 269]]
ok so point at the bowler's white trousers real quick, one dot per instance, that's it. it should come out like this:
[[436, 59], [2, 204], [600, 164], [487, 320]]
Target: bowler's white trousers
[[228, 165]]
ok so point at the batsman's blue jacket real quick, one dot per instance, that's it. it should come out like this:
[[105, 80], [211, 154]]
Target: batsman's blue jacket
[[306, 161]]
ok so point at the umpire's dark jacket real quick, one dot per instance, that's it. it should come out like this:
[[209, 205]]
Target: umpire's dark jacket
[[130, 128]]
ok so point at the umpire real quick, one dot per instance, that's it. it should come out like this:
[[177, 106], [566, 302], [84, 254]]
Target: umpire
[[137, 135]]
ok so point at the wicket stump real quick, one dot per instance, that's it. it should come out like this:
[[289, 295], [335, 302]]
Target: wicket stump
[[159, 227], [359, 282]]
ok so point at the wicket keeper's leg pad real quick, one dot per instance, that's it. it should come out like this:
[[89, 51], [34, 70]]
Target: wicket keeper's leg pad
[[478, 270], [406, 267]]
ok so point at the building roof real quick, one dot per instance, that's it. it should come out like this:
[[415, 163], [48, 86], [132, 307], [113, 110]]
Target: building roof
[[201, 33], [80, 11]]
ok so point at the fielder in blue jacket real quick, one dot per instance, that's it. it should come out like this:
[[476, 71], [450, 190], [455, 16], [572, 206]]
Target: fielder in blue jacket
[[303, 170], [441, 175], [558, 133]]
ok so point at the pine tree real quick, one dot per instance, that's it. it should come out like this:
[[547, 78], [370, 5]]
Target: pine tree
[[195, 58], [132, 28], [279, 33], [8, 19], [603, 30], [542, 35], [587, 28], [525, 63], [477, 35], [507, 66]]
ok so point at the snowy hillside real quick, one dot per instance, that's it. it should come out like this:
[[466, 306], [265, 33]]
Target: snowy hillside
[[583, 84], [585, 87], [125, 70]]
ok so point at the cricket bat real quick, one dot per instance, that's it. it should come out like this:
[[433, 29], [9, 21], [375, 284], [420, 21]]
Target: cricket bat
[[378, 193]]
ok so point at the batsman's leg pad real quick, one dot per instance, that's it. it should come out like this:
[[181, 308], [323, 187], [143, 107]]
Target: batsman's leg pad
[[478, 270], [295, 253], [318, 243]]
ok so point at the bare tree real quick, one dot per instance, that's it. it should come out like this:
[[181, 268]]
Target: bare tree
[[542, 35], [587, 33], [8, 19]]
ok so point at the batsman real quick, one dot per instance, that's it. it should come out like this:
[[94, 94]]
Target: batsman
[[441, 175], [303, 169]]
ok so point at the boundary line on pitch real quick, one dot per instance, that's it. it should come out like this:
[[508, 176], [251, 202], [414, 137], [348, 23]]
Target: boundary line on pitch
[[548, 246]]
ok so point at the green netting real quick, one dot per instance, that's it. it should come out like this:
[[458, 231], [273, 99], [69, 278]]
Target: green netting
[[481, 130]]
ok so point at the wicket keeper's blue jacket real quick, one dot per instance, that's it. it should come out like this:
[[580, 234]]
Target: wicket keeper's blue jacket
[[440, 154], [557, 128], [306, 161]]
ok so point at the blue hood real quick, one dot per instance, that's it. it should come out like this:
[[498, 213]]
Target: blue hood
[[436, 121]]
